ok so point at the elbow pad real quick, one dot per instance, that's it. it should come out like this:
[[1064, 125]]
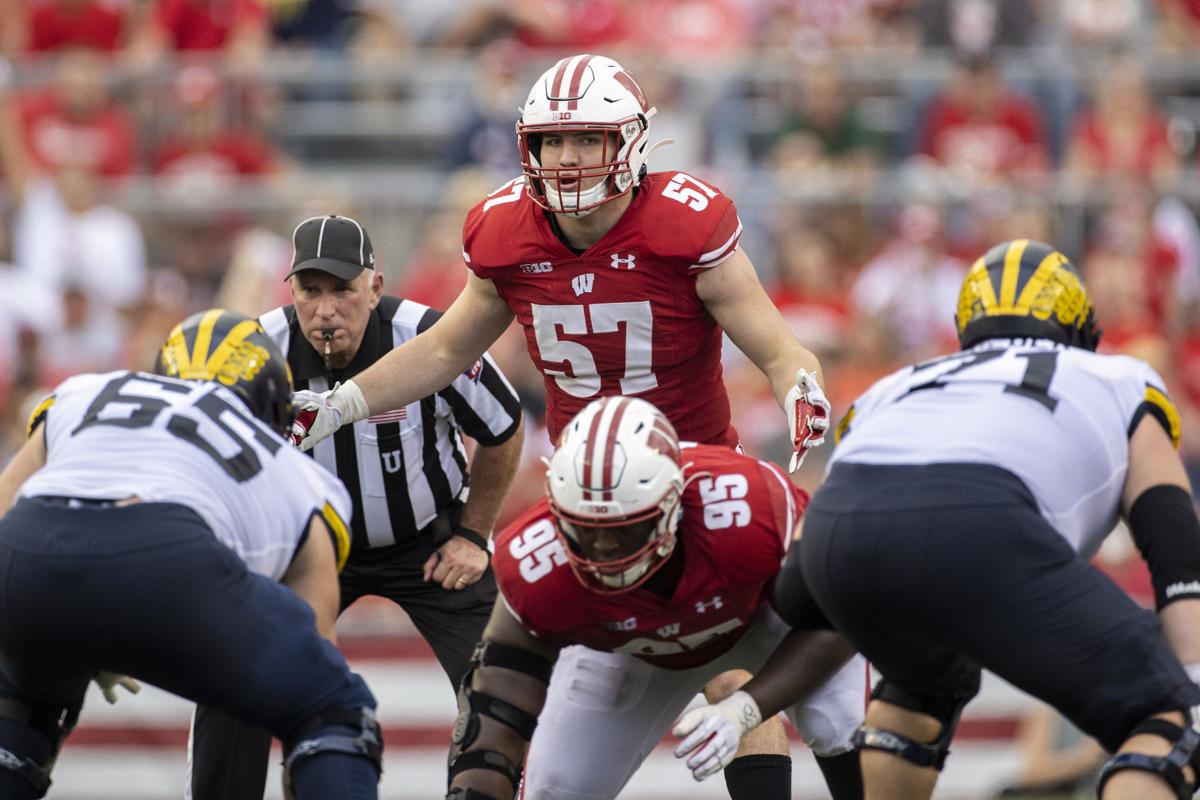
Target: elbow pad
[[1166, 531]]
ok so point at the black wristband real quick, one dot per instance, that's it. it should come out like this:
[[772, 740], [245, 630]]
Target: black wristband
[[474, 537]]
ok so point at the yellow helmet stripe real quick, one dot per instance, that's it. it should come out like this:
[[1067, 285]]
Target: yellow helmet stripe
[[175, 351], [987, 292], [231, 342], [204, 332], [341, 536], [1037, 281], [1159, 400], [1012, 274]]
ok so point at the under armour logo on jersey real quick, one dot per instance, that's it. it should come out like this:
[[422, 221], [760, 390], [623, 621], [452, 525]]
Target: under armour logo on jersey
[[667, 631], [392, 462], [622, 262], [714, 604], [583, 283]]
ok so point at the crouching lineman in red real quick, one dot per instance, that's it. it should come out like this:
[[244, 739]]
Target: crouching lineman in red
[[659, 551]]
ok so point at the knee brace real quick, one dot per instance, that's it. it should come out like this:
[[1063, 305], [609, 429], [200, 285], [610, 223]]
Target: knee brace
[[54, 723], [315, 737], [472, 704], [946, 708], [1184, 752]]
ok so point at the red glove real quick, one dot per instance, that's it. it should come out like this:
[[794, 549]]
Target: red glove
[[300, 425]]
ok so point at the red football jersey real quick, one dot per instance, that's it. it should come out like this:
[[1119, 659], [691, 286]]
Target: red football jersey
[[738, 517], [623, 317]]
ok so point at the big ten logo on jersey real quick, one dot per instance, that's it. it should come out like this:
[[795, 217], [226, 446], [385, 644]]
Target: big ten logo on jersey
[[537, 551], [626, 624], [583, 283], [723, 503], [680, 188], [537, 267]]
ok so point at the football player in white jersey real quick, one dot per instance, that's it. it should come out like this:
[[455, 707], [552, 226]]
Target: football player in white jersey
[[952, 532], [150, 522]]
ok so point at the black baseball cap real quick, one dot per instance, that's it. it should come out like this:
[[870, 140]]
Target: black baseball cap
[[333, 244]]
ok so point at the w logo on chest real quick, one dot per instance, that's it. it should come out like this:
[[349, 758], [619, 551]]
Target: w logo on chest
[[583, 283]]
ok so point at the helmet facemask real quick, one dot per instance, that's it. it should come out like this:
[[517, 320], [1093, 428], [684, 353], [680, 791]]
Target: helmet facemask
[[626, 572], [617, 465], [614, 167]]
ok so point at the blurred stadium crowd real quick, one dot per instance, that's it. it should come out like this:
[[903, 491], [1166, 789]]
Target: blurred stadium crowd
[[155, 155]]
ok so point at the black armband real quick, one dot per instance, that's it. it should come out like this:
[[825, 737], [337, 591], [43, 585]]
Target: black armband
[[1165, 529]]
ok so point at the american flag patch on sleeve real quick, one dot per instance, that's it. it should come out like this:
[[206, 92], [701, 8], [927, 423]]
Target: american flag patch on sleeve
[[389, 416]]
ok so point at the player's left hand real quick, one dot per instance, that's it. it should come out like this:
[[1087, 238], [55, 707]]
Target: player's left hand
[[713, 733], [456, 564], [109, 681], [808, 416]]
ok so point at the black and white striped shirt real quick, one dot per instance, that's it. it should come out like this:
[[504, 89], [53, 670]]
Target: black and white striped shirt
[[406, 466]]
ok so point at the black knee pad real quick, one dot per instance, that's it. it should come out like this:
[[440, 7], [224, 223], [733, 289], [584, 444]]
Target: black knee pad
[[945, 707], [34, 736], [318, 735], [27, 754], [1184, 752]]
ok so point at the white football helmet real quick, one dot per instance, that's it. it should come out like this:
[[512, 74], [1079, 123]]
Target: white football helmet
[[617, 464], [585, 93]]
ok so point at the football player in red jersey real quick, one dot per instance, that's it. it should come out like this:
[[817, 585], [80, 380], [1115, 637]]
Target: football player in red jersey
[[660, 552], [623, 281]]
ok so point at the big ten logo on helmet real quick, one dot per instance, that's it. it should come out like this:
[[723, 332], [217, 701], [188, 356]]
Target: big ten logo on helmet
[[558, 116], [537, 266]]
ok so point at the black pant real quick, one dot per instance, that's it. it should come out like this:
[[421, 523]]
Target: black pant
[[147, 590], [933, 571], [229, 759]]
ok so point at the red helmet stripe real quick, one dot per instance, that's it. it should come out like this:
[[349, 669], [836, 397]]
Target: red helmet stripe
[[629, 83], [576, 79], [589, 454], [556, 86], [610, 446]]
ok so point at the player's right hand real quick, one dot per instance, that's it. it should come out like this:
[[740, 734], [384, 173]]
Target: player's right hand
[[320, 414]]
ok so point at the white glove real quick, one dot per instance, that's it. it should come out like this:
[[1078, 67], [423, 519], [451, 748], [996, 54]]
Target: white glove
[[109, 681], [808, 416], [344, 404], [713, 733]]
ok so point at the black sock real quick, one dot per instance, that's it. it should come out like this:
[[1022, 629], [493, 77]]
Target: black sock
[[843, 775], [759, 777]]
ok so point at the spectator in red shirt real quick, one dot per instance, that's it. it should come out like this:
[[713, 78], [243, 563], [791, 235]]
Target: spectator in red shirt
[[55, 24], [980, 129], [1122, 136], [239, 28], [204, 152], [74, 122]]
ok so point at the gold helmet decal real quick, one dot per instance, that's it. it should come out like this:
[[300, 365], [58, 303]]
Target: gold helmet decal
[[224, 346], [1025, 288]]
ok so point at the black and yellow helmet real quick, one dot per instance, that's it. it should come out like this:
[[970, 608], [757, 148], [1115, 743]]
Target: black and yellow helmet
[[233, 350], [1021, 289]]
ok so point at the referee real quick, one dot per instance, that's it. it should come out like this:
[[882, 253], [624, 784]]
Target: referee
[[419, 535]]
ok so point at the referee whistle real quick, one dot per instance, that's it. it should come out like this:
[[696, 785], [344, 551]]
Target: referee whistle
[[327, 335]]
